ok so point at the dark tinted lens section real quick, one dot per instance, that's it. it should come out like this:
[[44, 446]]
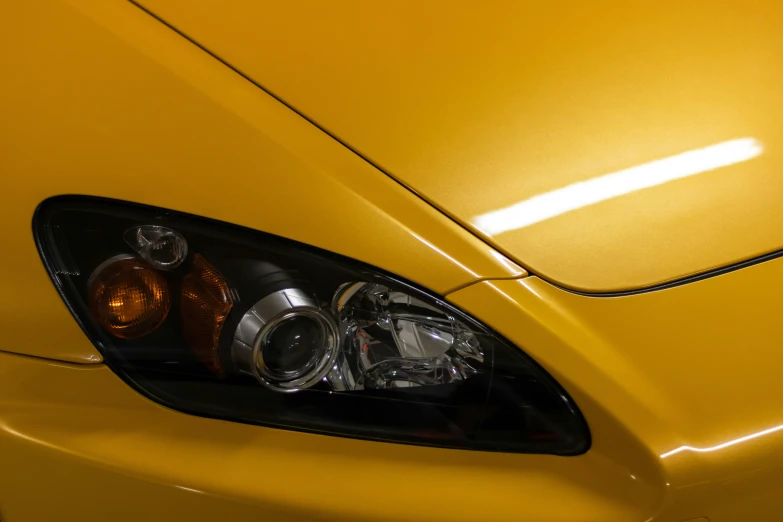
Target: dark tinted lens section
[[411, 368], [293, 346]]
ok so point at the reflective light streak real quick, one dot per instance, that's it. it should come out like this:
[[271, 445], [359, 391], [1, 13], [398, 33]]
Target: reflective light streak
[[582, 194], [724, 445], [444, 254], [190, 489], [515, 270]]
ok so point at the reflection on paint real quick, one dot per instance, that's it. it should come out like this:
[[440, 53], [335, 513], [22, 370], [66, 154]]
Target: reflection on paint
[[724, 445], [578, 195], [190, 489], [514, 269], [444, 254]]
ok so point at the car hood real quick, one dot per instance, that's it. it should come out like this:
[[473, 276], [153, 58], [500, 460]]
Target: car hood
[[606, 146]]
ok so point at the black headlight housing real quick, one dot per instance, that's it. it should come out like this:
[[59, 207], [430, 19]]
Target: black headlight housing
[[221, 321]]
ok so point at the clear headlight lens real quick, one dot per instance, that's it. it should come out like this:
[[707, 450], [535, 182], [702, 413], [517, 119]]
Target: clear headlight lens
[[226, 322], [395, 340]]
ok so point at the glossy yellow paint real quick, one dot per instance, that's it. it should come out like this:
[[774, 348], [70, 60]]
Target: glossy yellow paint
[[684, 380], [480, 106], [99, 98], [680, 387], [115, 455]]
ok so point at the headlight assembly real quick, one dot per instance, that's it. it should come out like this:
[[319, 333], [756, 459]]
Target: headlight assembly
[[221, 321]]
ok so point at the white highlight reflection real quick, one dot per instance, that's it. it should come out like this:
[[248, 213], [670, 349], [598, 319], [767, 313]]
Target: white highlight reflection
[[514, 269], [724, 445], [444, 254], [582, 194]]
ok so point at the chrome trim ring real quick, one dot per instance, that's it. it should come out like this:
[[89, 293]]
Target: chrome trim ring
[[259, 322]]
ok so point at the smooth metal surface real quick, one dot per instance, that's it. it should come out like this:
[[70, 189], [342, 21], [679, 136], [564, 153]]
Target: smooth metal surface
[[103, 452], [607, 146], [98, 98], [681, 388], [691, 374]]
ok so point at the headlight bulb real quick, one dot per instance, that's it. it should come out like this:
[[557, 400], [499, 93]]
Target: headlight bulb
[[162, 247], [400, 341], [128, 298]]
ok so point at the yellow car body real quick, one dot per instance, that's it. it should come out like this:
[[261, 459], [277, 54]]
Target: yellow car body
[[491, 153]]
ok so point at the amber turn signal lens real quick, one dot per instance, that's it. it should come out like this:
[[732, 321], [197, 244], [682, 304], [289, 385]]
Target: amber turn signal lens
[[128, 298], [206, 301]]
